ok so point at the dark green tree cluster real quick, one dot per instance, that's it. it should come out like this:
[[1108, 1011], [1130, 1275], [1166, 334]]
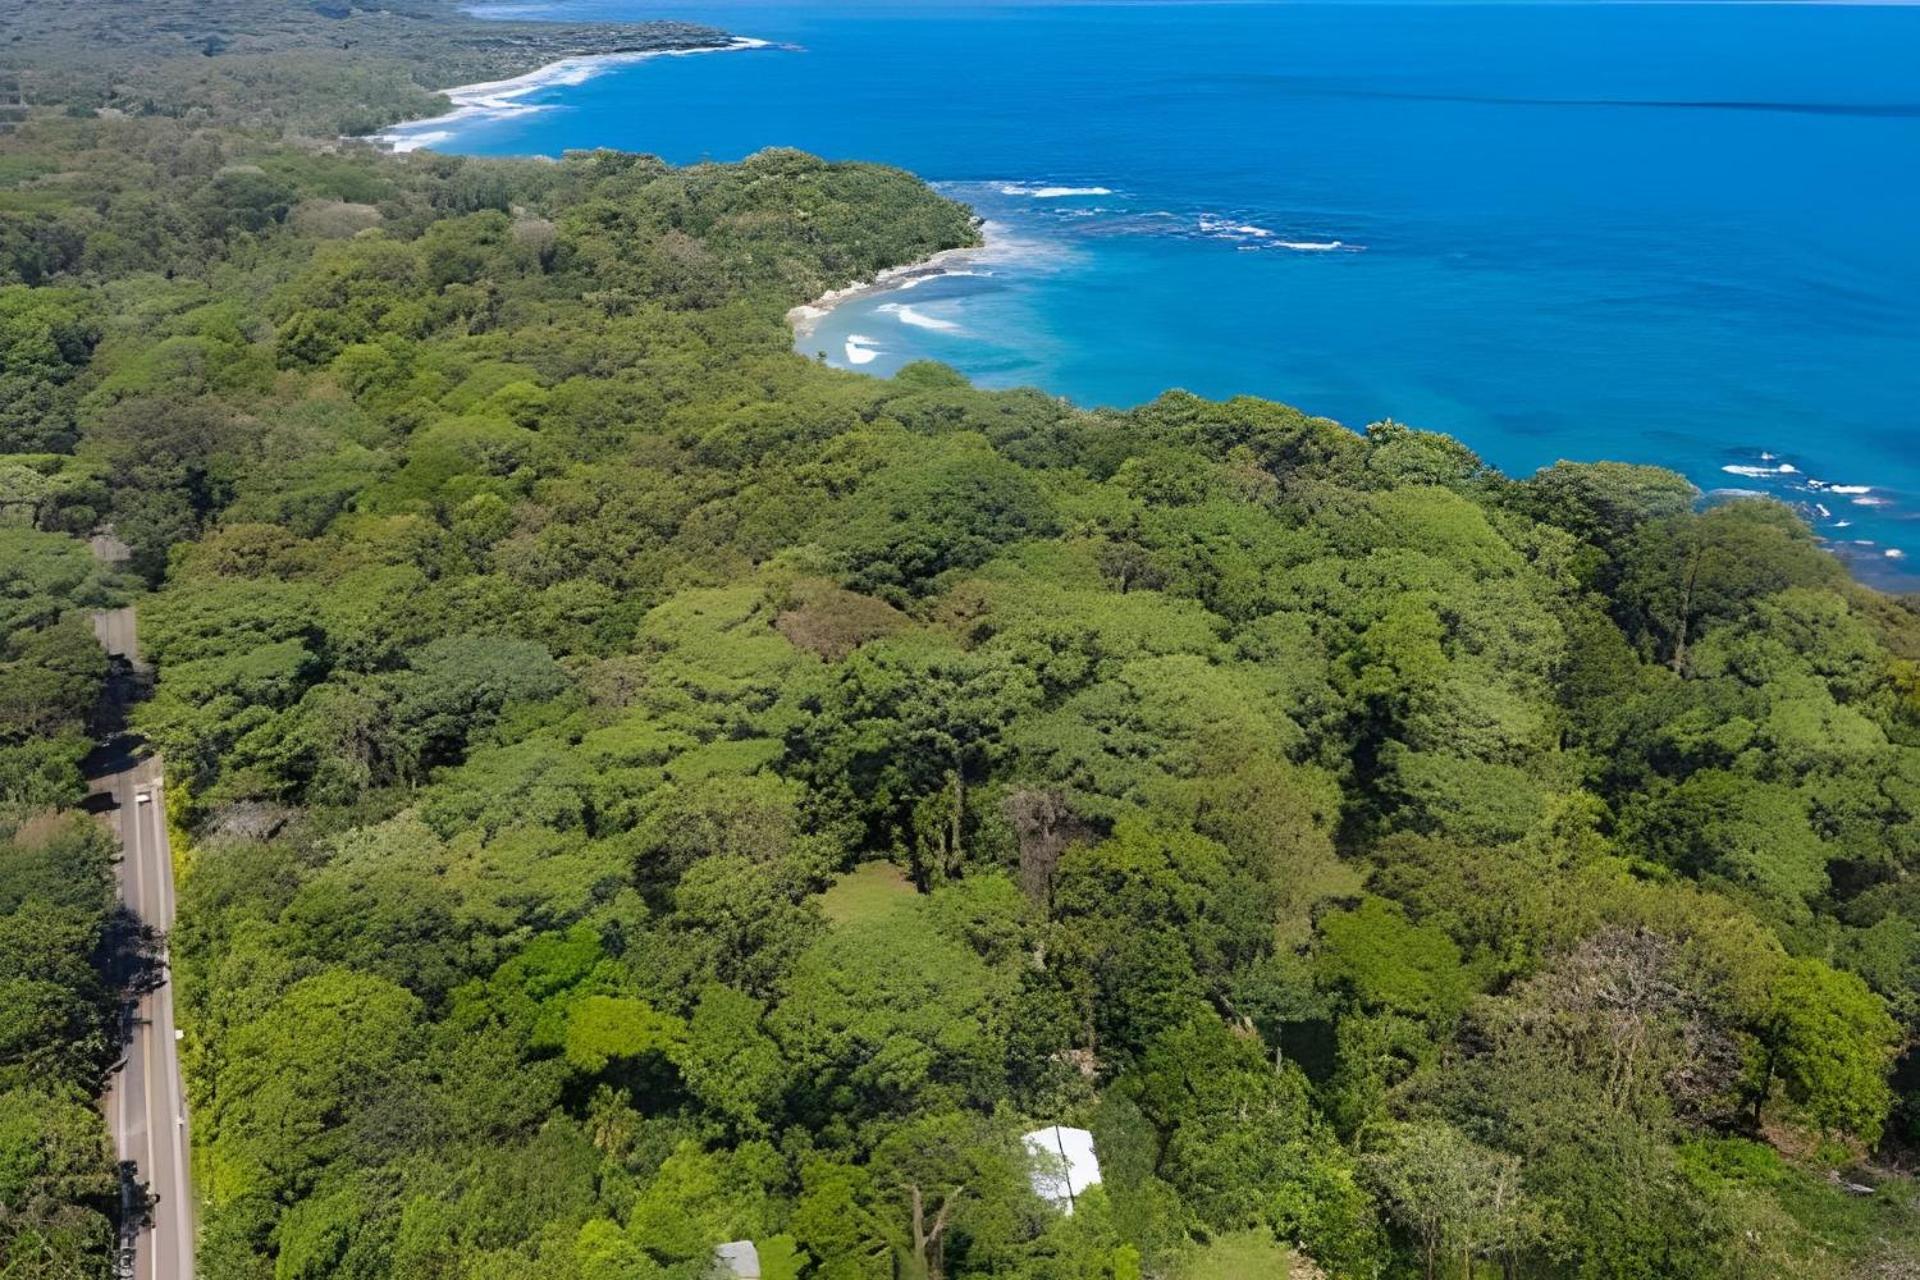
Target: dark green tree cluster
[[51, 671], [59, 1193], [648, 790]]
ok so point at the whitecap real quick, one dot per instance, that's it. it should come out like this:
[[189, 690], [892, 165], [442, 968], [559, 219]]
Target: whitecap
[[1869, 502], [1228, 229], [499, 99], [1843, 524], [414, 141], [1223, 227], [1051, 193], [1895, 553], [1752, 473], [1851, 488], [861, 349], [917, 318], [914, 282]]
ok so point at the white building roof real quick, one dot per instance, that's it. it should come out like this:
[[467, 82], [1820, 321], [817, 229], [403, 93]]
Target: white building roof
[[737, 1260], [1063, 1164]]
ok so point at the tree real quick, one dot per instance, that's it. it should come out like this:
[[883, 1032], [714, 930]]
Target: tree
[[1830, 1043], [1147, 924], [1239, 1138], [328, 1069], [730, 1063], [1751, 833], [1455, 1197], [171, 464], [1385, 962], [885, 1016], [1683, 574], [953, 1175], [1603, 503], [455, 687], [903, 732], [912, 525]]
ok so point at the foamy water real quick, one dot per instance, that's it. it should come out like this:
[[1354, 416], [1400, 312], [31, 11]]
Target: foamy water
[[1051, 193], [501, 99], [916, 317]]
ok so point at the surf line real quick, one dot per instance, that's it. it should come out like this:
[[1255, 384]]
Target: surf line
[[498, 99], [806, 317]]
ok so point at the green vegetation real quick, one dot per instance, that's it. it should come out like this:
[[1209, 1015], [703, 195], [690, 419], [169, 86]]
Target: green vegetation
[[649, 789], [1237, 1255], [58, 1189], [315, 67]]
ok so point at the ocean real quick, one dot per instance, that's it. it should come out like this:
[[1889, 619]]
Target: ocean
[[1683, 234]]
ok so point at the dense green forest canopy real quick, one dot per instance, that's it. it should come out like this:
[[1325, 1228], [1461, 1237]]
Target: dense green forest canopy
[[322, 67], [640, 788]]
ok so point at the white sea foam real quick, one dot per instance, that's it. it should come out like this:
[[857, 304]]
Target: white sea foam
[[1869, 502], [1228, 229], [415, 141], [914, 282], [1756, 473], [498, 99], [1851, 488], [1222, 226], [1843, 524], [1895, 553], [917, 318], [1000, 250], [860, 349], [807, 316], [1051, 193]]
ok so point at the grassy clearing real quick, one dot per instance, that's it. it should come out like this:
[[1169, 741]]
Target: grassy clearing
[[1244, 1255], [867, 892]]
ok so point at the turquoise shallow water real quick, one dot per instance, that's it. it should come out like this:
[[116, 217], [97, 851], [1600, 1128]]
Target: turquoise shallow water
[[1681, 234]]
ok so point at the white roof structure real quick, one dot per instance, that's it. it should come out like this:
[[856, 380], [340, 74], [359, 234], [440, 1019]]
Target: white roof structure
[[1063, 1164], [737, 1260]]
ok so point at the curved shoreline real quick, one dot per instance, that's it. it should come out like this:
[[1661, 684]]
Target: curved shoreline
[[1870, 561], [806, 317], [498, 99]]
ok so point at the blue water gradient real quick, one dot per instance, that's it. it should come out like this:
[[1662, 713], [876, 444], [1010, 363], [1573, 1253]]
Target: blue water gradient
[[1682, 234]]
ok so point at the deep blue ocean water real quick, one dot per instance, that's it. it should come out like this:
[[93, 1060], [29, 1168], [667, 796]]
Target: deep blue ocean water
[[1680, 234]]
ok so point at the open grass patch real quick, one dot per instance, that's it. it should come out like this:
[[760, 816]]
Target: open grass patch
[[1243, 1255], [868, 892]]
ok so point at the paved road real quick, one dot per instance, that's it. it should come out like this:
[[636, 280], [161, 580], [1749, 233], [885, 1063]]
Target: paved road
[[117, 633], [146, 1101]]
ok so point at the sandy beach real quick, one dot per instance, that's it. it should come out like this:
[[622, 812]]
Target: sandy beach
[[805, 317]]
